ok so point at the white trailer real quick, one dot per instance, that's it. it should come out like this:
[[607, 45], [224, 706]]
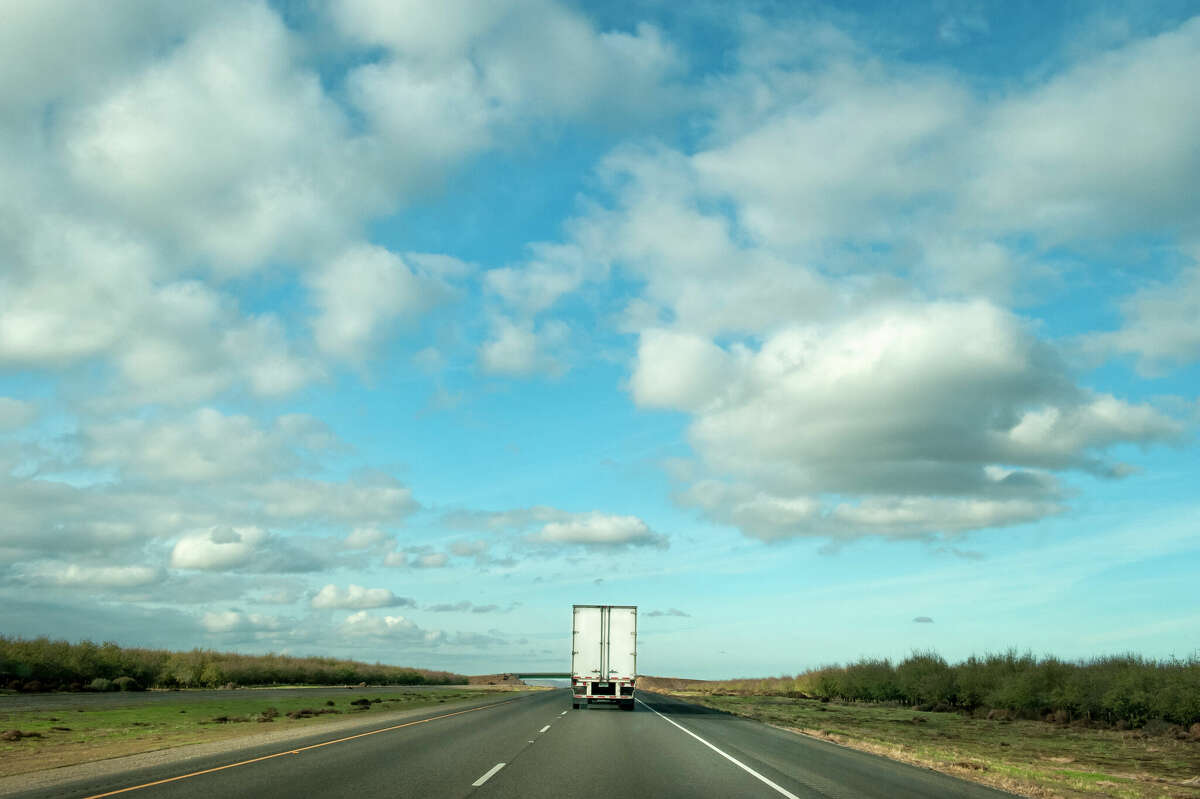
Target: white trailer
[[603, 655]]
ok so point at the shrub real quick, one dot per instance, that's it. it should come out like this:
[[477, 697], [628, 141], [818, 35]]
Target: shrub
[[100, 684]]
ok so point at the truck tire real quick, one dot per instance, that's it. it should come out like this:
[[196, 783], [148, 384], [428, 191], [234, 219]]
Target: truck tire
[[575, 706], [626, 704]]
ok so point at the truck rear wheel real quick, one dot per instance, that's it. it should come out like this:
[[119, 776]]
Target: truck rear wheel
[[626, 704]]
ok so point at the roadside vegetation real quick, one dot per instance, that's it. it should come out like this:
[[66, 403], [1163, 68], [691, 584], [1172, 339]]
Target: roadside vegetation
[[1120, 726], [32, 739], [42, 664], [1122, 691]]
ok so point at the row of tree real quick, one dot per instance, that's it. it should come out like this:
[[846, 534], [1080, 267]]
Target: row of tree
[[1119, 689], [40, 664]]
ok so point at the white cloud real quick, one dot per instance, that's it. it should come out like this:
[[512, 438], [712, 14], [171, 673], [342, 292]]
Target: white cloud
[[519, 349], [514, 57], [1160, 327], [364, 538], [1104, 147], [549, 529], [236, 169], [679, 370], [205, 446], [78, 575], [366, 499], [429, 560], [937, 417], [80, 290], [230, 621], [244, 549], [552, 271], [600, 530], [218, 548], [361, 293], [361, 624], [356, 597], [851, 150], [15, 414]]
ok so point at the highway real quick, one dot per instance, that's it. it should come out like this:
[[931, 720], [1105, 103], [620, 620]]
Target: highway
[[535, 745]]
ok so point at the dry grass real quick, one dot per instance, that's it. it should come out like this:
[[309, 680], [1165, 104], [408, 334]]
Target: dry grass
[[42, 739]]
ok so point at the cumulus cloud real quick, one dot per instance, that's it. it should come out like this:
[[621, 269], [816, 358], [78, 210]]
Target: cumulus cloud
[[361, 293], [238, 170], [568, 69], [362, 624], [553, 528], [356, 597], [938, 417], [205, 446], [429, 560], [1104, 146], [522, 348], [79, 290], [364, 538], [1160, 328], [371, 498], [600, 530], [219, 548], [250, 549], [235, 621]]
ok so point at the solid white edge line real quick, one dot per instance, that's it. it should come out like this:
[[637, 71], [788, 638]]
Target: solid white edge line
[[543, 729], [487, 776], [731, 759]]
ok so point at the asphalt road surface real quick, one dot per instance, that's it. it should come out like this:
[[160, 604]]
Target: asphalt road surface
[[535, 745]]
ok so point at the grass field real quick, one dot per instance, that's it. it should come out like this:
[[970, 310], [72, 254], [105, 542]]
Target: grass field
[[1031, 758], [33, 739]]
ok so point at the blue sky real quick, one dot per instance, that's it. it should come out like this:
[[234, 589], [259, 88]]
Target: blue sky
[[391, 330]]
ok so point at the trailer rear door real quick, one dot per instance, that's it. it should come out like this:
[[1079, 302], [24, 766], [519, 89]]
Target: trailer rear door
[[587, 649], [622, 641]]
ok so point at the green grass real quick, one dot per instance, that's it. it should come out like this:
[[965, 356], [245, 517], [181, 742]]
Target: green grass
[[99, 732], [1033, 758]]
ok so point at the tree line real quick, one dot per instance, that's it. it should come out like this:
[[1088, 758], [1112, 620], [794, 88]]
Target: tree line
[[1121, 690], [42, 664]]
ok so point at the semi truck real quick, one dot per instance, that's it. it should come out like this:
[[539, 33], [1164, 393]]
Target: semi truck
[[603, 655]]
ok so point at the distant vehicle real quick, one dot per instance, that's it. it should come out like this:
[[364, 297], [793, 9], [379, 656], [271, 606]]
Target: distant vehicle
[[603, 655]]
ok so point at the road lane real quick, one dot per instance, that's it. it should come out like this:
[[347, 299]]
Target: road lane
[[534, 745]]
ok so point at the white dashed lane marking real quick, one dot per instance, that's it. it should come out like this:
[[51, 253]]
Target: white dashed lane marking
[[488, 775]]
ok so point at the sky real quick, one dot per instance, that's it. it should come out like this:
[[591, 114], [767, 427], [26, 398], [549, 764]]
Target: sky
[[390, 330]]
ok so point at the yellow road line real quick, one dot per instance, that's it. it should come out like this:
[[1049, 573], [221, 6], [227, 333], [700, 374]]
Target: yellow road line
[[293, 751]]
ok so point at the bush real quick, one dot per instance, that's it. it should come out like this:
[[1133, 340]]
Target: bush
[[100, 684], [1122, 690], [42, 664], [125, 684]]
